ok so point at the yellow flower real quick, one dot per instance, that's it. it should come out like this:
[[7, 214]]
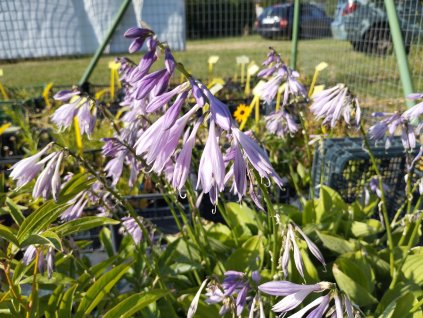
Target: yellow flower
[[241, 113]]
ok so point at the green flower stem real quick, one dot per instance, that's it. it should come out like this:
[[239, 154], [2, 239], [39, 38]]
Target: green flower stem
[[384, 209], [272, 220], [407, 249], [34, 283], [15, 293], [407, 228], [308, 151]]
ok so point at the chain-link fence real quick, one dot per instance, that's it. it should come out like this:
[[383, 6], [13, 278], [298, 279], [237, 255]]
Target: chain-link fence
[[352, 36]]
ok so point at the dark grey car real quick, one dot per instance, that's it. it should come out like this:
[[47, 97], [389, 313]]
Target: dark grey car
[[365, 24], [277, 20]]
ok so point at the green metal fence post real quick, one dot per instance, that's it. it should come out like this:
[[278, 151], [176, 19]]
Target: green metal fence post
[[87, 73], [398, 41], [295, 28]]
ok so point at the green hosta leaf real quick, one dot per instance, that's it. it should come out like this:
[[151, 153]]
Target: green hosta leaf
[[358, 294], [54, 239], [94, 272], [56, 279], [15, 211], [363, 229], [65, 309], [35, 239], [134, 303], [241, 215], [336, 244], [53, 302], [402, 307], [106, 241], [40, 219], [8, 235], [413, 268], [246, 256], [392, 295], [82, 224], [203, 310], [356, 267], [99, 289]]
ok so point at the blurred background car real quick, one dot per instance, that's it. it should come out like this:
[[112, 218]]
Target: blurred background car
[[365, 24], [276, 22]]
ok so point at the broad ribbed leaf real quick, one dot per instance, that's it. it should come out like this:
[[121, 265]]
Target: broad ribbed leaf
[[81, 224], [336, 244], [129, 306], [100, 289], [358, 294]]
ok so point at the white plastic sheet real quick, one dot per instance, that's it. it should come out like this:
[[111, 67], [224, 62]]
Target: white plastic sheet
[[50, 28]]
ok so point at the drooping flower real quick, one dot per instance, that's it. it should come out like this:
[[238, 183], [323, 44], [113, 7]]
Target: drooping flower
[[26, 169], [75, 210], [333, 103], [131, 227], [49, 180], [139, 35], [48, 259], [290, 242], [194, 304], [211, 171], [390, 124], [281, 123]]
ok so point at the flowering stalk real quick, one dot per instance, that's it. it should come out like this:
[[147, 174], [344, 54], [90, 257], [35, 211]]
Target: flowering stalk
[[383, 198]]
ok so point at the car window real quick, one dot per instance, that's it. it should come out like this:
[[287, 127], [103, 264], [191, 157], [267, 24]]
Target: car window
[[317, 12]]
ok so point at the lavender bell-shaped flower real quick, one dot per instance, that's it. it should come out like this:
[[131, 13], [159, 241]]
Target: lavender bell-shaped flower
[[333, 103], [139, 35], [294, 293], [78, 203], [49, 181], [211, 172], [132, 227], [87, 116], [281, 123], [25, 170], [183, 162]]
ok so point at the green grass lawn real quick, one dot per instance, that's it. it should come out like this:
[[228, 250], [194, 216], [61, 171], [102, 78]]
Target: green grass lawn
[[370, 76]]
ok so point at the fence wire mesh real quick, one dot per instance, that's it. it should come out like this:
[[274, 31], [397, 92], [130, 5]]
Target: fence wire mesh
[[353, 37]]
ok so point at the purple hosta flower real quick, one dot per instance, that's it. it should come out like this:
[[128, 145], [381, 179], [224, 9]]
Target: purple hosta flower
[[270, 89], [194, 304], [87, 116], [220, 113], [132, 228], [114, 167], [183, 162], [294, 293], [30, 254], [197, 92], [26, 169], [256, 156], [257, 302], [281, 73], [334, 103], [290, 242], [211, 172], [163, 99], [49, 181], [139, 35], [390, 124], [281, 123], [66, 95], [75, 210], [169, 61], [375, 188], [147, 85], [293, 86], [157, 144], [81, 107], [144, 67], [237, 283]]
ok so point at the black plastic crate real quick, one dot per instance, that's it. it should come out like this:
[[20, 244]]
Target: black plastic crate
[[344, 165]]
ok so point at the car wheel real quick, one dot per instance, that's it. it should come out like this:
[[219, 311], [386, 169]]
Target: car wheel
[[378, 41]]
